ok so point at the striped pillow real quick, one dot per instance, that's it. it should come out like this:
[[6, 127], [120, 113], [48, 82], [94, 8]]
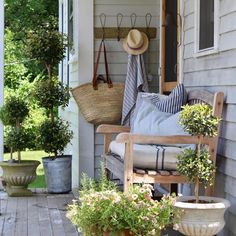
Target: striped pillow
[[172, 103]]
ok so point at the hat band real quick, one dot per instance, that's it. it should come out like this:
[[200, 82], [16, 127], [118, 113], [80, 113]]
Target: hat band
[[135, 48]]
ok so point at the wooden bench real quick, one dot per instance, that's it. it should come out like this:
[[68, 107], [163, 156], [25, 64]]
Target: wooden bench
[[123, 169]]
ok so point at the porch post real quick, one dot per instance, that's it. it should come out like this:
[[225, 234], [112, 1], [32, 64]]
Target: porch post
[[1, 72]]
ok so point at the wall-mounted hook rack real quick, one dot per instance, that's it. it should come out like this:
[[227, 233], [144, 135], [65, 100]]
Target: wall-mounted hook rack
[[112, 32]]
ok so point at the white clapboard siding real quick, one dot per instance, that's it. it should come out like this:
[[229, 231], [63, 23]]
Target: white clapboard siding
[[217, 72], [117, 57]]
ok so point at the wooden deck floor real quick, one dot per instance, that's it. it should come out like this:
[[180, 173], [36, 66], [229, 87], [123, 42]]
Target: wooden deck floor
[[40, 215]]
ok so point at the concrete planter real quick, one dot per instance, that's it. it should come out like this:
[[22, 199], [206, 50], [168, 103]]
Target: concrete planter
[[203, 219], [58, 174], [18, 175]]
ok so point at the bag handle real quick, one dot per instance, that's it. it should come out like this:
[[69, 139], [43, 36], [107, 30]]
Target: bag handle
[[100, 77]]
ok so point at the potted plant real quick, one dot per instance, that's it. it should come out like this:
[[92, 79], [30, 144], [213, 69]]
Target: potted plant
[[203, 216], [103, 210], [48, 46], [17, 173]]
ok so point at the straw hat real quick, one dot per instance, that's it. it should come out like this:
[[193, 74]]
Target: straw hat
[[136, 42]]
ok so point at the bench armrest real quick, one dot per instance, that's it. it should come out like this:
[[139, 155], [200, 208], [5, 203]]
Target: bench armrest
[[175, 139], [112, 129]]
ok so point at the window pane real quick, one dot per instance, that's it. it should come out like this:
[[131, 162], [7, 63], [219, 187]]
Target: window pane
[[206, 37]]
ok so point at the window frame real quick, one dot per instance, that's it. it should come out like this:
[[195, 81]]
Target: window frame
[[70, 21], [211, 50], [73, 52]]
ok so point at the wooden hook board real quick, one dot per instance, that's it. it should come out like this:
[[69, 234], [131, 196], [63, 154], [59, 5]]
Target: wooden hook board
[[112, 32]]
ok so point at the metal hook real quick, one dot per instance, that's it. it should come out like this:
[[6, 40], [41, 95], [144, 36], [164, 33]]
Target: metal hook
[[103, 23], [119, 18], [148, 19], [133, 18]]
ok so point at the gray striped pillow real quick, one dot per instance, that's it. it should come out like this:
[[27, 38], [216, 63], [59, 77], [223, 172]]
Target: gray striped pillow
[[172, 103]]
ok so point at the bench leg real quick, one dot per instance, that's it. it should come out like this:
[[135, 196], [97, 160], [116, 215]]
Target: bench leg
[[174, 188]]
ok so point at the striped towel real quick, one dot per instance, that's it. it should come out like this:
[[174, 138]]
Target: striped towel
[[136, 81]]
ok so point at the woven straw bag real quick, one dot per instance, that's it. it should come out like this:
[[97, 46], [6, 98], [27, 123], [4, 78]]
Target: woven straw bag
[[100, 102]]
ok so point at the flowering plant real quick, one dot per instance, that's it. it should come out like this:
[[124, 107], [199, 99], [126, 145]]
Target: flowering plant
[[107, 209]]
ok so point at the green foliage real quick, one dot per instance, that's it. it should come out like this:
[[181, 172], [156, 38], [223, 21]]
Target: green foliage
[[198, 120], [36, 114], [50, 93], [201, 167], [14, 111], [47, 45], [107, 209], [54, 136], [196, 164], [14, 71], [17, 139], [24, 15]]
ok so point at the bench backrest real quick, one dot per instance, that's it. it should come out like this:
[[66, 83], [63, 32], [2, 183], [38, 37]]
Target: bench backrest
[[215, 100]]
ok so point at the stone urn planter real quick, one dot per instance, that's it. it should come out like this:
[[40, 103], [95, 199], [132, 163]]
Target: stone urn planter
[[18, 175], [58, 173], [201, 219]]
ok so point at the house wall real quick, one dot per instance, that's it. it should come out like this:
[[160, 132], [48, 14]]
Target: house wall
[[1, 71], [77, 69], [217, 72], [117, 57]]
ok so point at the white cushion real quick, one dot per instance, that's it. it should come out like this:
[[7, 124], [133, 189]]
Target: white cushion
[[150, 156], [151, 121], [147, 119]]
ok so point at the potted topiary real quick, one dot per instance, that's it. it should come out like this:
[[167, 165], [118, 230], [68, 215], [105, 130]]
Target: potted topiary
[[48, 46], [17, 173], [203, 216]]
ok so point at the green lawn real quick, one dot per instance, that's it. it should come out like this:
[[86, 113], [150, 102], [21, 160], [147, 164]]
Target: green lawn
[[33, 155]]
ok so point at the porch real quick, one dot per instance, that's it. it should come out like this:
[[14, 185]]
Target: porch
[[42, 214]]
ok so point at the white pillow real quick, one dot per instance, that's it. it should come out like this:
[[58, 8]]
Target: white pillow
[[150, 121], [147, 119]]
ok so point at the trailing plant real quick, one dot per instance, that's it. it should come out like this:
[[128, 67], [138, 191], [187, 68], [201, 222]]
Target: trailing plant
[[196, 164], [48, 46], [103, 208], [13, 113]]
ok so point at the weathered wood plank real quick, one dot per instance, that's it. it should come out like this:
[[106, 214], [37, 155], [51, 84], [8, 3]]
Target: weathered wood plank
[[45, 227], [216, 61], [4, 201], [55, 217], [227, 166], [10, 217], [21, 216], [227, 148], [33, 218], [62, 201]]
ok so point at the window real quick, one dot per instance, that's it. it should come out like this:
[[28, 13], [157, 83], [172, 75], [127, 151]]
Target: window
[[206, 26], [71, 25]]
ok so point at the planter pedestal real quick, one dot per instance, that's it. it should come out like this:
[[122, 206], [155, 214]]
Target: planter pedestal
[[18, 191], [203, 219], [17, 177]]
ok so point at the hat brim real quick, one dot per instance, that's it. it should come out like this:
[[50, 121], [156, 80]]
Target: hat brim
[[138, 51]]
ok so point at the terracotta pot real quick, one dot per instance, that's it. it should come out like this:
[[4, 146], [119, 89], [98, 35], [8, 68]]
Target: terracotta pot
[[122, 233], [202, 219]]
